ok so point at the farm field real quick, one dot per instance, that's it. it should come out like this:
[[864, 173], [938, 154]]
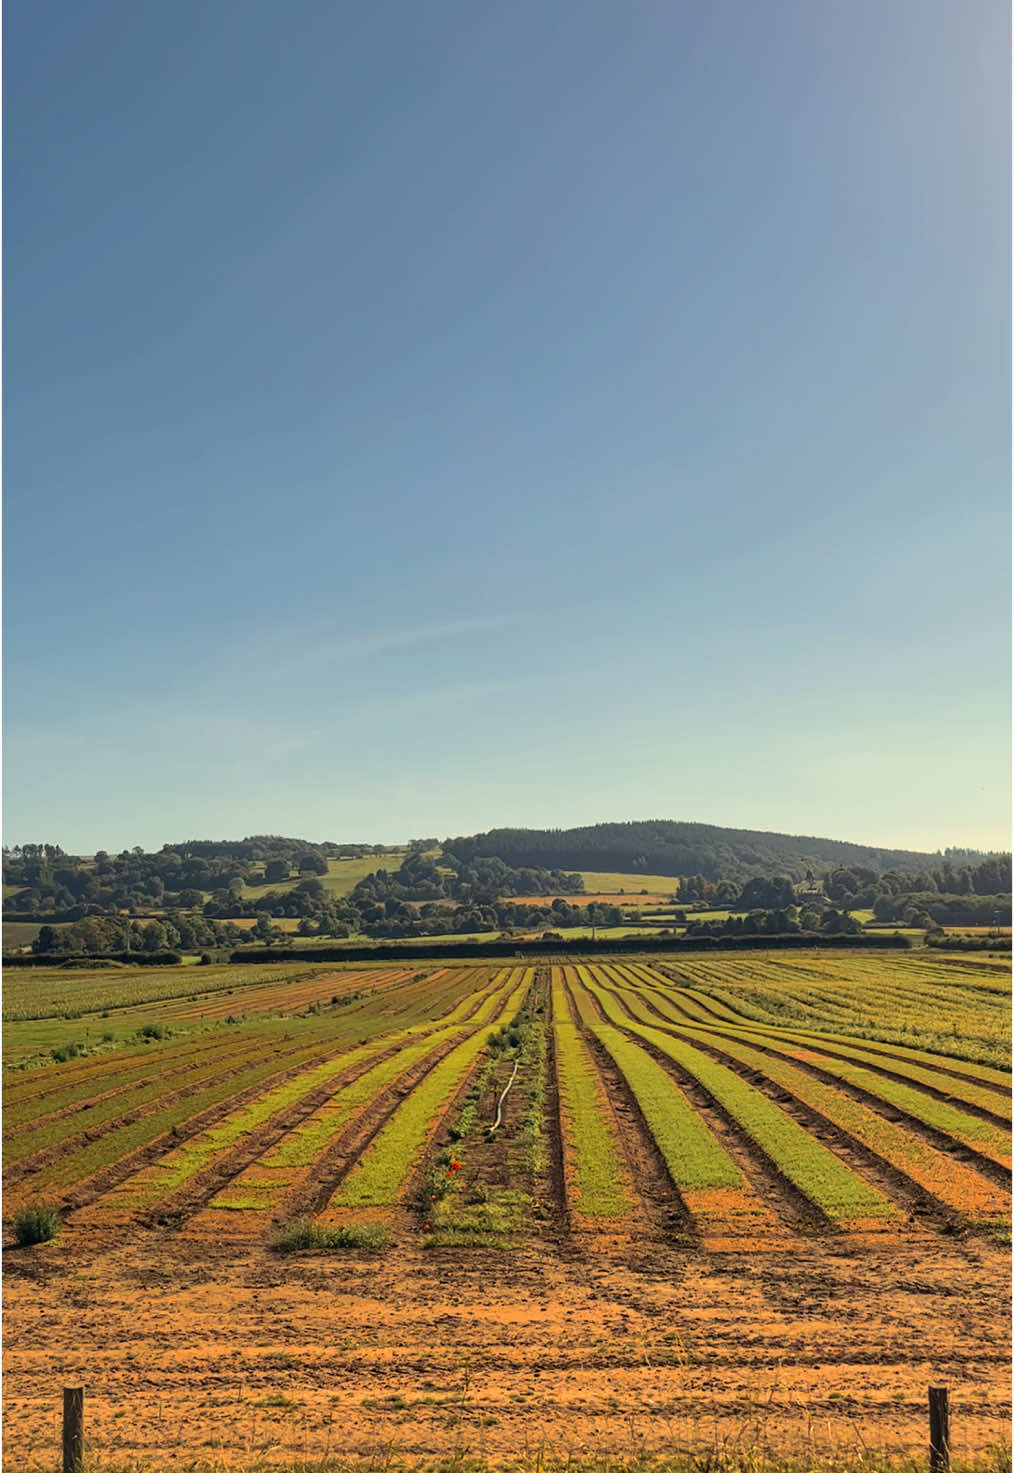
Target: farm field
[[603, 882], [600, 1205]]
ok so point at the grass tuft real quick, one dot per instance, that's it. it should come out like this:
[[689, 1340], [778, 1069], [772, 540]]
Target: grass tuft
[[305, 1234], [37, 1223]]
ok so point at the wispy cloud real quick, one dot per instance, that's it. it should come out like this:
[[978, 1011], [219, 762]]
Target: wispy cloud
[[304, 647]]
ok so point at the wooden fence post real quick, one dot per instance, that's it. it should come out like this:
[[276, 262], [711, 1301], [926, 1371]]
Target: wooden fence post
[[940, 1430], [73, 1429]]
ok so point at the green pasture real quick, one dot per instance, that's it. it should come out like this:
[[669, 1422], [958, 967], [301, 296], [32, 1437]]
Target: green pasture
[[18, 934], [603, 882], [343, 875]]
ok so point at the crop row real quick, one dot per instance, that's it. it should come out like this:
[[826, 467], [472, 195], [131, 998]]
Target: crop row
[[737, 1008], [920, 1068], [383, 1173], [180, 1166], [266, 1181], [979, 1135], [932, 1006], [716, 1194], [316, 1043], [597, 1188], [936, 1172], [810, 1167], [43, 1092]]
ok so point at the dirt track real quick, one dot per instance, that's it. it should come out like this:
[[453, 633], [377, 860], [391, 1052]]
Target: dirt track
[[610, 1344]]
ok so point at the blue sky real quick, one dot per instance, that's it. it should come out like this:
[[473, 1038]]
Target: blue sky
[[426, 418]]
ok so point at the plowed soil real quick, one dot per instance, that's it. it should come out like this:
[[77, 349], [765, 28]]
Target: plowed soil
[[201, 1348]]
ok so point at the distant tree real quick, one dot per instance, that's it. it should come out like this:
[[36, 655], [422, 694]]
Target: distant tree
[[265, 929], [47, 940], [276, 870], [154, 937], [774, 894], [310, 888]]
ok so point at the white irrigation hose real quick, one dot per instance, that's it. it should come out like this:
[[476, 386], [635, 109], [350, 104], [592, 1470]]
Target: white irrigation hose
[[499, 1105]]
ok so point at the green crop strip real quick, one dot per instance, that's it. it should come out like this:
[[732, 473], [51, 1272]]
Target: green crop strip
[[890, 1001], [189, 1161], [968, 1129], [943, 1177], [260, 1186], [90, 992], [694, 1158], [305, 1144], [115, 1074], [67, 1127], [886, 997], [960, 1089], [979, 1134], [816, 1172], [49, 1088], [184, 1163], [117, 1143], [380, 1177], [597, 1170], [788, 1041]]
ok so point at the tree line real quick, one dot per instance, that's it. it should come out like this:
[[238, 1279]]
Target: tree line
[[447, 894], [668, 847], [49, 882]]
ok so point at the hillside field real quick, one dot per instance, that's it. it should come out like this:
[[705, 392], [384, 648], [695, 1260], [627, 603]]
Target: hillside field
[[587, 1205]]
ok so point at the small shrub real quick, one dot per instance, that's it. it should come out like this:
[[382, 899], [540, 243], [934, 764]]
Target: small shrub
[[305, 1233], [37, 1223], [65, 1051], [153, 1030]]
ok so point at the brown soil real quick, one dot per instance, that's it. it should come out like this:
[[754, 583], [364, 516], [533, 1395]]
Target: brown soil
[[182, 1344]]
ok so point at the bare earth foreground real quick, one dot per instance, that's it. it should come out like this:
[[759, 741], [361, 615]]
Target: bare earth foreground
[[214, 1352]]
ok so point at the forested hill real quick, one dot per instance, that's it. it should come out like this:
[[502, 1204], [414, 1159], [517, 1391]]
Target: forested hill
[[665, 847]]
